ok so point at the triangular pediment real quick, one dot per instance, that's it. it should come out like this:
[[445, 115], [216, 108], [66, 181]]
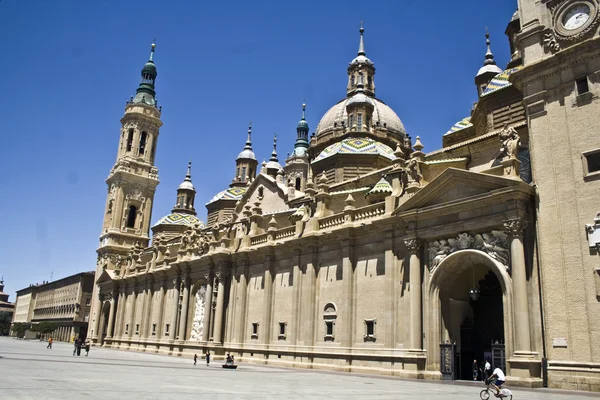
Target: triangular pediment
[[105, 276], [266, 190], [454, 185]]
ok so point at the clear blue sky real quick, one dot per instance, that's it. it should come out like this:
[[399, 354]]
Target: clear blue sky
[[67, 68]]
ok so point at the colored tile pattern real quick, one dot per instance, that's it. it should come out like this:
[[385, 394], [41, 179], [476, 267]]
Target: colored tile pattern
[[179, 219], [500, 81], [234, 193], [383, 186], [357, 146], [462, 124]]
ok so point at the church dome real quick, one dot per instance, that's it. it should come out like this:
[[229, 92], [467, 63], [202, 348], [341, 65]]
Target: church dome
[[382, 114], [246, 154], [179, 219], [357, 147]]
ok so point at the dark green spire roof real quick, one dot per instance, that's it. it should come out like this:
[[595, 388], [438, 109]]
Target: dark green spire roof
[[302, 139], [145, 92]]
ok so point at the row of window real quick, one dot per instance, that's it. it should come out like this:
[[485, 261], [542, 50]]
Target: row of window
[[137, 329], [369, 334], [142, 144], [359, 121]]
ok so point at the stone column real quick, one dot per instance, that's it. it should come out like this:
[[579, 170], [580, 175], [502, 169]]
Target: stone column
[[240, 314], [208, 307], [184, 308], [111, 314], [416, 332], [148, 317], [348, 337], [268, 302], [175, 309], [161, 311], [218, 332], [133, 307], [97, 311], [514, 228], [390, 290]]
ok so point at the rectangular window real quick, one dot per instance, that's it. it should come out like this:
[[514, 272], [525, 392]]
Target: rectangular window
[[329, 328], [282, 326], [350, 121], [591, 162], [243, 174], [254, 330], [137, 329], [142, 147], [126, 329], [369, 330], [153, 329], [582, 85], [359, 122], [88, 302], [167, 330]]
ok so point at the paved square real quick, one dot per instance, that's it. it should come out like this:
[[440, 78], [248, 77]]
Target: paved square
[[29, 371]]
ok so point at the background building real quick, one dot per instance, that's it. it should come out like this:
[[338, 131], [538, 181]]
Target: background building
[[366, 253], [6, 311], [65, 302]]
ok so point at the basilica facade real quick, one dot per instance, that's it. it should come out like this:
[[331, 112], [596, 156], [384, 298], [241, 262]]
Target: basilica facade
[[362, 252]]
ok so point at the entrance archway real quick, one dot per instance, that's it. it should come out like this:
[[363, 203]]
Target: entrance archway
[[473, 325]]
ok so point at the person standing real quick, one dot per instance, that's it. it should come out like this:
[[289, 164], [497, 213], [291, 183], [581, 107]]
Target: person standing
[[475, 369], [49, 343], [195, 358], [75, 343], [79, 346], [487, 369], [207, 357], [87, 347]]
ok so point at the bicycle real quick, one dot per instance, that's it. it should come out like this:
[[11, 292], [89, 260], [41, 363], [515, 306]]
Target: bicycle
[[504, 393]]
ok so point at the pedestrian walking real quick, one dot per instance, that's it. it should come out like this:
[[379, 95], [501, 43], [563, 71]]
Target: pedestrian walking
[[49, 343], [475, 368], [207, 357], [195, 358], [75, 346], [87, 347], [487, 369], [79, 346]]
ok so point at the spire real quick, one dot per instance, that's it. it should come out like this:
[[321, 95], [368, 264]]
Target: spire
[[247, 153], [186, 194], [489, 57], [301, 144], [274, 153], [361, 45], [145, 93]]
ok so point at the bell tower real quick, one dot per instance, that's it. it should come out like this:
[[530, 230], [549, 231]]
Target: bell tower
[[133, 179]]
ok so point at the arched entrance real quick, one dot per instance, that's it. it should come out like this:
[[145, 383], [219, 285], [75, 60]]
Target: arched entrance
[[478, 324], [104, 322], [199, 312]]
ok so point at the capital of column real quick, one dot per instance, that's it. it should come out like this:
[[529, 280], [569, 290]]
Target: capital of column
[[412, 245], [515, 227]]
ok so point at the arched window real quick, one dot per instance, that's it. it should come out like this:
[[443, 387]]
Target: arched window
[[131, 216], [142, 147], [298, 181], [129, 139], [330, 315]]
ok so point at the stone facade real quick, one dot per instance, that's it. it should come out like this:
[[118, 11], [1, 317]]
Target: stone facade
[[368, 254]]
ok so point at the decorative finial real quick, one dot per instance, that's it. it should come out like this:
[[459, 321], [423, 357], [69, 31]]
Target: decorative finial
[[361, 46], [189, 171], [152, 51], [303, 111], [274, 153], [489, 57], [249, 140]]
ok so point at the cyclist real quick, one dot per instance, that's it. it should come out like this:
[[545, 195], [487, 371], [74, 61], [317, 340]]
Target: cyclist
[[500, 379]]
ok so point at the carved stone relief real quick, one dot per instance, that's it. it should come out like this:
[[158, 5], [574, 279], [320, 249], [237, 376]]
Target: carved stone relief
[[495, 244], [198, 321]]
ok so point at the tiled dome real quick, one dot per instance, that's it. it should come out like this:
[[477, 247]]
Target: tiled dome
[[179, 219], [462, 124], [357, 146], [234, 193], [500, 81]]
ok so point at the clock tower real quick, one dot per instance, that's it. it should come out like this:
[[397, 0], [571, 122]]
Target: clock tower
[[559, 43], [131, 183]]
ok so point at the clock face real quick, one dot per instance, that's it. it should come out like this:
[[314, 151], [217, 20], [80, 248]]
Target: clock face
[[576, 16]]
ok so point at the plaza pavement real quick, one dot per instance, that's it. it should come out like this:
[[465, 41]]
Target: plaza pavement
[[30, 371]]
